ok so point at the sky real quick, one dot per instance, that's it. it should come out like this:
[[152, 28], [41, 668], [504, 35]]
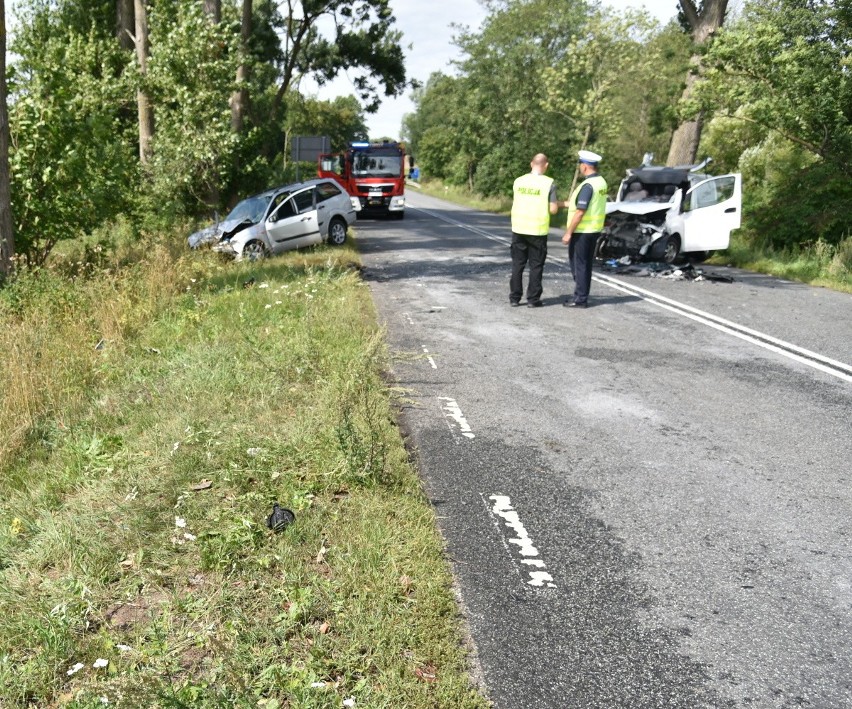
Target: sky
[[425, 26]]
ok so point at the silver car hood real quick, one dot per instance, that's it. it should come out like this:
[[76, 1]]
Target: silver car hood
[[213, 233]]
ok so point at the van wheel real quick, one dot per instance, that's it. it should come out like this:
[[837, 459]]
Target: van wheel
[[255, 250], [337, 232], [398, 215], [671, 249]]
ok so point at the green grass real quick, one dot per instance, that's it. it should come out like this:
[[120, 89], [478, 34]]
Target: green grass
[[819, 264], [132, 528]]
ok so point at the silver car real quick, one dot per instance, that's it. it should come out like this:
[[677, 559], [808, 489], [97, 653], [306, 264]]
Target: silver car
[[281, 219]]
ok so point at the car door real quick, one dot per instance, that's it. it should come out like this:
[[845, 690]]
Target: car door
[[294, 223], [711, 210]]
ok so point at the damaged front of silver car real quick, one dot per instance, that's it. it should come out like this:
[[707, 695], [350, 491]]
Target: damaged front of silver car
[[216, 233]]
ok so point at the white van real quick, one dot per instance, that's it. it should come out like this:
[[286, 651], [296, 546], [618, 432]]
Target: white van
[[669, 213]]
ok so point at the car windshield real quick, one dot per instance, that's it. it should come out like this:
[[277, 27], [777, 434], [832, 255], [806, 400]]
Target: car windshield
[[371, 165], [251, 209]]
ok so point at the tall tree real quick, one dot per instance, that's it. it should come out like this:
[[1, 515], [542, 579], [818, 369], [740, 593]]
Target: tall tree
[[703, 19], [143, 101], [364, 39], [240, 98], [213, 9], [7, 237], [125, 23]]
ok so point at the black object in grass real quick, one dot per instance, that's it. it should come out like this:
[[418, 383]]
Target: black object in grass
[[280, 518]]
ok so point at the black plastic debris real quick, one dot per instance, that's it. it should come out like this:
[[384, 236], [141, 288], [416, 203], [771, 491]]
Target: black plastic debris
[[249, 283], [280, 518], [671, 272]]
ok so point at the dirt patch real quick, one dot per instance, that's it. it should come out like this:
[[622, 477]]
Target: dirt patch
[[141, 610]]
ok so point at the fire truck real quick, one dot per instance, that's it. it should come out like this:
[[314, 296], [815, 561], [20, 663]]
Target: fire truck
[[373, 174]]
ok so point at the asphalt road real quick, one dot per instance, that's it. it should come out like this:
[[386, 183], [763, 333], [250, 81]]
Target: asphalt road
[[643, 506]]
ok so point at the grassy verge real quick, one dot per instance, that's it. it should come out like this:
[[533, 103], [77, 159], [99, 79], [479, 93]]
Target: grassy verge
[[819, 264], [159, 410]]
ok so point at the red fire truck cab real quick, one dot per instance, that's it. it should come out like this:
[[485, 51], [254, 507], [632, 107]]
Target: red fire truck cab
[[372, 173]]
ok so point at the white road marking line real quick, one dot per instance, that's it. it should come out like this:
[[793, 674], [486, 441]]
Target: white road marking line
[[453, 411], [429, 358], [787, 349], [502, 508]]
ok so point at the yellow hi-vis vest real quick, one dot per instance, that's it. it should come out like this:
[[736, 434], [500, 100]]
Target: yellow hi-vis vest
[[593, 220], [531, 205]]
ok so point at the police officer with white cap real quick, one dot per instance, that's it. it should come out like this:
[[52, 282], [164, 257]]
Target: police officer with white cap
[[586, 214]]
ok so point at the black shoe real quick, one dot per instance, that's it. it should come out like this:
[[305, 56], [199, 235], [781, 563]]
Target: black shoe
[[514, 303], [535, 304], [572, 304]]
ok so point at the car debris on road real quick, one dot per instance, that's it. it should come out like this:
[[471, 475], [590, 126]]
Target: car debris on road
[[656, 269]]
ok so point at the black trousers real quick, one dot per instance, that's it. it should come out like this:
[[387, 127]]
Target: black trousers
[[532, 249], [581, 256]]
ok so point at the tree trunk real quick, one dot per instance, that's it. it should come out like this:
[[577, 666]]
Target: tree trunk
[[213, 10], [684, 146], [143, 102], [240, 98], [7, 236], [125, 23]]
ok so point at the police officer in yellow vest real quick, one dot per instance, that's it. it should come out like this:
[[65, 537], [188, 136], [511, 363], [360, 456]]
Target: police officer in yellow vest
[[586, 213], [533, 202]]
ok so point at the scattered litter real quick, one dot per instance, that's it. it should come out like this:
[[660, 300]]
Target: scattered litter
[[684, 272], [100, 663], [205, 484], [280, 518], [75, 669], [180, 522]]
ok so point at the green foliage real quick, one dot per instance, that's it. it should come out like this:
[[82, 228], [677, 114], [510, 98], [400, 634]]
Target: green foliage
[[364, 41], [574, 79], [191, 69], [778, 81], [72, 159], [341, 119]]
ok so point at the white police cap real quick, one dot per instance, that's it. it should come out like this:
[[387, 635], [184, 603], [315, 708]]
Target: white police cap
[[589, 157]]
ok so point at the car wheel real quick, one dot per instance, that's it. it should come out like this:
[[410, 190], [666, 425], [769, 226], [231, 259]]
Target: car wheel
[[398, 215], [337, 232], [255, 250], [671, 249]]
